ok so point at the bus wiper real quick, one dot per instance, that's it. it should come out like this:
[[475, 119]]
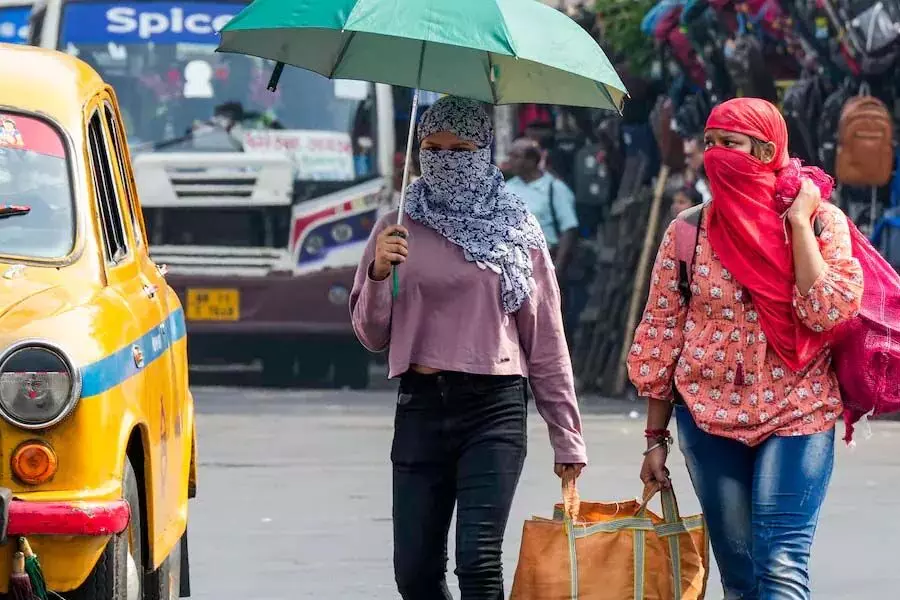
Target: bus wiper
[[8, 210]]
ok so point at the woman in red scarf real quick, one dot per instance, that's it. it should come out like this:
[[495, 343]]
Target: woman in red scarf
[[744, 358]]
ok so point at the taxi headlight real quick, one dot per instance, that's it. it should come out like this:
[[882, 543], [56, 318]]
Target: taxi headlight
[[38, 385]]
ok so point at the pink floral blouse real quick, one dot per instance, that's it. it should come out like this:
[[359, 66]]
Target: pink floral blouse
[[715, 353]]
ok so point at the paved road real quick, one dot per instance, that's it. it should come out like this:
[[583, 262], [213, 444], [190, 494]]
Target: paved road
[[294, 498]]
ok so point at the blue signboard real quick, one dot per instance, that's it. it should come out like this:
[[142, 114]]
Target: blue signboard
[[142, 22], [14, 24]]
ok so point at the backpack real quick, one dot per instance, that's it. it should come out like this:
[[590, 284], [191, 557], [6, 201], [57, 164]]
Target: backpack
[[865, 350], [873, 27], [746, 64], [866, 40], [671, 146], [594, 186], [865, 149], [654, 15], [827, 129], [801, 107]]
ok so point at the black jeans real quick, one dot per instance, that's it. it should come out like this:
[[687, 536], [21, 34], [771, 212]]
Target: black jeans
[[458, 440]]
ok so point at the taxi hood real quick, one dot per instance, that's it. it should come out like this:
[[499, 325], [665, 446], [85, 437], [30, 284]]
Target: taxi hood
[[23, 300]]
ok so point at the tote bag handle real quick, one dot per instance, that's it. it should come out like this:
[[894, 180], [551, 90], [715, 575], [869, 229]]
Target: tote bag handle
[[671, 514]]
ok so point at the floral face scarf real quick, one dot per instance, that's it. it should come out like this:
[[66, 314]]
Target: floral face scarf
[[462, 196]]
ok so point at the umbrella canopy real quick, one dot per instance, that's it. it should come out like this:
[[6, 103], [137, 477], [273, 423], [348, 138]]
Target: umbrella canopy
[[496, 51]]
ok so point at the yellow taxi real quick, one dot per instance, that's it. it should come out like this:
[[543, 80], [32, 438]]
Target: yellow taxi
[[97, 433]]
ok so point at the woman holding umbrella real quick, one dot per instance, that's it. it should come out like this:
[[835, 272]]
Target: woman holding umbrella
[[478, 312]]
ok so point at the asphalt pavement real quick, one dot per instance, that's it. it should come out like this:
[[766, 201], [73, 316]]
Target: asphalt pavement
[[294, 497]]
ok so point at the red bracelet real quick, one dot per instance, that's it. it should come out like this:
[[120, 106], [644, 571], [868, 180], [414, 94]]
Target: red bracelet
[[657, 433]]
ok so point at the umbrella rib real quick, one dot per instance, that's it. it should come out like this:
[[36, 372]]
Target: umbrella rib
[[421, 67], [341, 54], [609, 97], [490, 78]]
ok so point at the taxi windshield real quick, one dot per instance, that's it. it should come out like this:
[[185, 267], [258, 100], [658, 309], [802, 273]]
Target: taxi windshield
[[177, 94], [36, 209]]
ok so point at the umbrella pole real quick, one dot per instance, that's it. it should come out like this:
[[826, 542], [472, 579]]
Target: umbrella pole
[[401, 207]]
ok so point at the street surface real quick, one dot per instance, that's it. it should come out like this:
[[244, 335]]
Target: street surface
[[294, 497]]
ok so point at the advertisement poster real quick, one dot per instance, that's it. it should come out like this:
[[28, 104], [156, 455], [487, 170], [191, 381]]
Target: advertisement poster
[[317, 155], [141, 22]]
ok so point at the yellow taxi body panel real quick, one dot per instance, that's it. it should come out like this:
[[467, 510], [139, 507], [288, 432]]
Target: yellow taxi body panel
[[119, 323]]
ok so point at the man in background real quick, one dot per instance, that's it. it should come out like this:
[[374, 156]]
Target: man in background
[[693, 159], [553, 204]]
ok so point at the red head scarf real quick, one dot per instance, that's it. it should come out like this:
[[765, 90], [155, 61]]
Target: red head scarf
[[746, 228]]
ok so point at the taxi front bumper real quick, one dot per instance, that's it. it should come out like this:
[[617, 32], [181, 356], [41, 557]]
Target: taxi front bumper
[[78, 518]]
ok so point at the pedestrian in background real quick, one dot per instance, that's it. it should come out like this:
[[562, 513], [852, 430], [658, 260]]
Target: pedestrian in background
[[693, 159], [477, 312], [683, 199], [551, 201], [743, 358]]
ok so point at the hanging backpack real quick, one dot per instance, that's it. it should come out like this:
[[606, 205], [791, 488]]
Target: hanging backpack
[[874, 27], [865, 150], [802, 106], [827, 129], [746, 63], [865, 350], [671, 146], [594, 186], [654, 15], [852, 40]]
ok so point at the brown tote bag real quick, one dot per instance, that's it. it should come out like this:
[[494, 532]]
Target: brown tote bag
[[615, 551]]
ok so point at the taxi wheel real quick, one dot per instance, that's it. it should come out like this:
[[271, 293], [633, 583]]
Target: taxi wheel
[[118, 573], [165, 582]]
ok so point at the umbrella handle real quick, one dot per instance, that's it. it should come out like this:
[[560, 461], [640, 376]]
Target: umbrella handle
[[395, 288]]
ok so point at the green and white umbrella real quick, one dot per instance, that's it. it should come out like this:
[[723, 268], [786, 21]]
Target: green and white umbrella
[[495, 51]]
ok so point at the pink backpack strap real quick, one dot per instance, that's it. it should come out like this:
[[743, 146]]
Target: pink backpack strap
[[687, 235]]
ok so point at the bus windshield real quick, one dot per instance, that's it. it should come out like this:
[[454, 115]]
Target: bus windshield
[[177, 94], [14, 23]]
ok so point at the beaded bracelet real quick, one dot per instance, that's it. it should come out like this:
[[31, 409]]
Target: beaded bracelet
[[656, 433]]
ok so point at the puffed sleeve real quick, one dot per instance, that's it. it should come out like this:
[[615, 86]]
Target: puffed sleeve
[[659, 337], [836, 294]]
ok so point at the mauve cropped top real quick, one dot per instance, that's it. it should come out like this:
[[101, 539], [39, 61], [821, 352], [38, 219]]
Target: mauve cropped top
[[448, 316]]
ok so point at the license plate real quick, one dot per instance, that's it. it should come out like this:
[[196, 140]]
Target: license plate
[[213, 305]]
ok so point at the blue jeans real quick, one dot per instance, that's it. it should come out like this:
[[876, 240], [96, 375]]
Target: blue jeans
[[459, 440], [761, 506]]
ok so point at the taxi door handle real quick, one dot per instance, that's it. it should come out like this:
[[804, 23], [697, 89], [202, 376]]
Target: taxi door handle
[[150, 290], [163, 270]]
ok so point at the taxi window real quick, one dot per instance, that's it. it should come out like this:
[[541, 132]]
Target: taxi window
[[37, 214], [119, 151], [114, 238]]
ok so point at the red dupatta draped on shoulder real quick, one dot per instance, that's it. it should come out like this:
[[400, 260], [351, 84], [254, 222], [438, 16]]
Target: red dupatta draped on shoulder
[[746, 226], [747, 231]]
